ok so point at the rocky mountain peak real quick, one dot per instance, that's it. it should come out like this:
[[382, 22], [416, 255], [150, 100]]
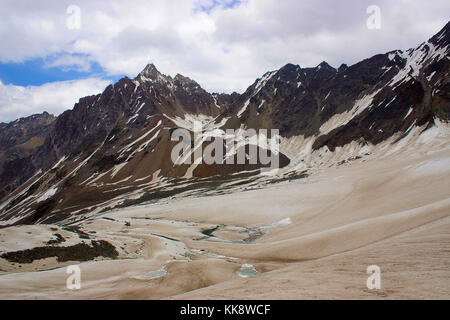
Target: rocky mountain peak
[[150, 70], [150, 73], [290, 67], [324, 66], [289, 72], [185, 81], [43, 118], [342, 67]]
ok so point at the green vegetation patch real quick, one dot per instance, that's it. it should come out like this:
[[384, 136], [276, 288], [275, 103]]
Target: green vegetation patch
[[78, 252]]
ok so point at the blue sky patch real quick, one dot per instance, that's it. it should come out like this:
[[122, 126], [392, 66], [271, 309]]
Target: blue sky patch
[[36, 72], [209, 5]]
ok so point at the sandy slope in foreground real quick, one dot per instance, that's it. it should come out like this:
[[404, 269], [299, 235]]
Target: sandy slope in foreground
[[415, 264], [314, 239], [396, 216]]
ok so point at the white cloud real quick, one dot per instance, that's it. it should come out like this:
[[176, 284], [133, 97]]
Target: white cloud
[[70, 62], [54, 97], [224, 49]]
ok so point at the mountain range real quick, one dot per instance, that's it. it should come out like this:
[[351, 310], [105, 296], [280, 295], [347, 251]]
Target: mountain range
[[113, 149]]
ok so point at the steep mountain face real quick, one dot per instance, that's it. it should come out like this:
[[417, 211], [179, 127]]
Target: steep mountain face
[[21, 138], [114, 149], [340, 105], [19, 132]]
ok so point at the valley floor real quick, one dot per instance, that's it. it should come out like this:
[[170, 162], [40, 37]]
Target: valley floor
[[308, 239]]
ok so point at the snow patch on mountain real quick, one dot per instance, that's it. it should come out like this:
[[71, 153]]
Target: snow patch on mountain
[[341, 119], [48, 194], [259, 85]]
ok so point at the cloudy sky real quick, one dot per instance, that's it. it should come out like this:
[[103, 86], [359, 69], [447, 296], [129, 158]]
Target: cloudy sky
[[54, 52]]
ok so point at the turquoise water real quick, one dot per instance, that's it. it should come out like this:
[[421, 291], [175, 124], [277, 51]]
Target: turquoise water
[[247, 270]]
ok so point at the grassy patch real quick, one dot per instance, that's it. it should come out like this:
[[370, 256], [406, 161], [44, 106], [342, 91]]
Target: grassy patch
[[78, 252]]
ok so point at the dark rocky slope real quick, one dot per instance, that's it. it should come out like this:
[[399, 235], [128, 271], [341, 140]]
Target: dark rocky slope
[[113, 149]]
